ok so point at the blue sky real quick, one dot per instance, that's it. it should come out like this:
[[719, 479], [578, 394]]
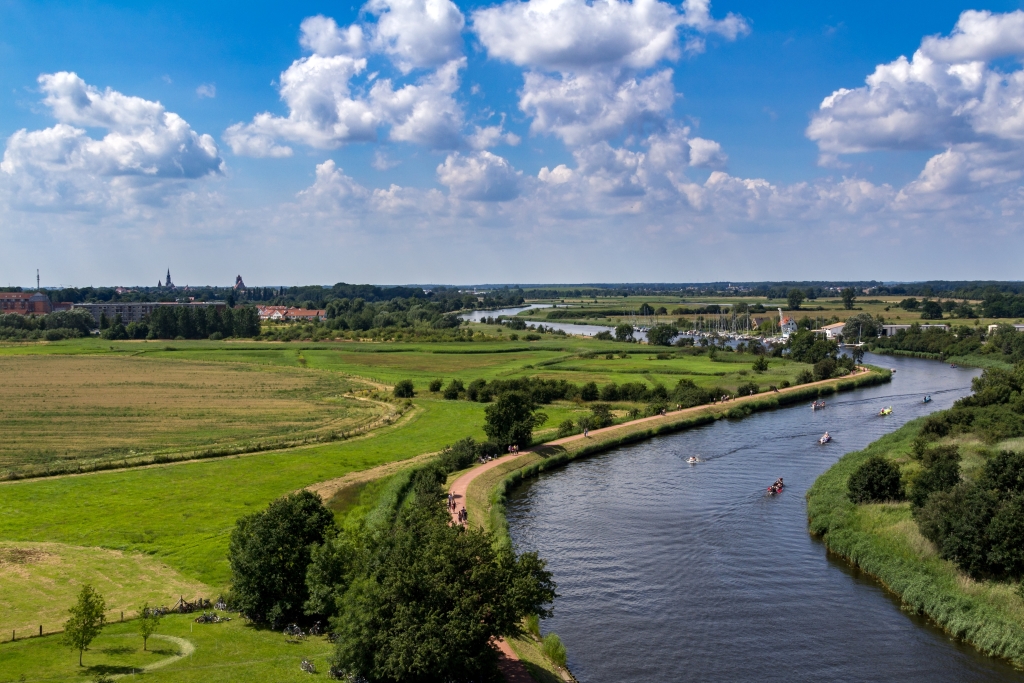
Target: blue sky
[[549, 140]]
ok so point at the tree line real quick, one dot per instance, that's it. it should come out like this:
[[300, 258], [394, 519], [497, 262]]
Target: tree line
[[186, 322]]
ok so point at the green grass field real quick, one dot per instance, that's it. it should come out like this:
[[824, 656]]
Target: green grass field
[[225, 652]]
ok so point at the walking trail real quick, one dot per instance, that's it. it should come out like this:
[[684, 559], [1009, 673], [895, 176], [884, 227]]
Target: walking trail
[[511, 667]]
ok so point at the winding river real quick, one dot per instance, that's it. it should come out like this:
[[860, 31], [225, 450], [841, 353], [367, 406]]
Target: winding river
[[674, 572]]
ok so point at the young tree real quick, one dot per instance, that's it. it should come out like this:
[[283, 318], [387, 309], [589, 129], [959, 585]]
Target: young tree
[[761, 364], [795, 298], [849, 296], [269, 552], [511, 419], [149, 620], [86, 620]]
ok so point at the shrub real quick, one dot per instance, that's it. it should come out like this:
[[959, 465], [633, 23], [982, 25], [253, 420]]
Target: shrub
[[824, 368], [532, 625], [941, 473], [216, 336], [748, 389], [784, 384], [454, 388], [532, 337], [435, 385], [600, 415], [554, 650], [804, 377], [604, 335], [876, 480], [404, 389], [566, 428], [760, 365], [589, 392]]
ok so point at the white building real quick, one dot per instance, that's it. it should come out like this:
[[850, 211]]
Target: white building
[[833, 331], [788, 325], [890, 330], [1017, 326]]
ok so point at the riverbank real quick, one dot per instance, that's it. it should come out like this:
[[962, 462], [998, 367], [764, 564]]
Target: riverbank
[[972, 361], [883, 540]]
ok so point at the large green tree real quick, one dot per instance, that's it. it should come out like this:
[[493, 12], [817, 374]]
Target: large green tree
[[429, 598], [624, 332], [269, 553], [86, 620], [795, 298], [661, 334], [511, 419]]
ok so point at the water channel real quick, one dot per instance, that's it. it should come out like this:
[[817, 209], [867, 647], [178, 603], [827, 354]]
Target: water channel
[[674, 572]]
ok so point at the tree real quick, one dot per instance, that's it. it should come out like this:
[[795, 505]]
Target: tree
[[876, 480], [149, 620], [760, 364], [624, 333], [646, 309], [86, 620], [849, 296], [269, 553], [795, 298], [404, 389], [435, 385], [859, 327], [931, 310], [511, 419], [941, 473], [429, 599], [661, 334]]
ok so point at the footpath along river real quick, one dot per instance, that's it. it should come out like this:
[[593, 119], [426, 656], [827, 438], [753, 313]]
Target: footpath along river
[[672, 572]]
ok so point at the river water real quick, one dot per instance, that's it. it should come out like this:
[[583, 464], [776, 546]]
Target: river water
[[674, 572]]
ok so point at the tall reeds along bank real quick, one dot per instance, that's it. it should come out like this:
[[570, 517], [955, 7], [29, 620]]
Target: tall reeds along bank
[[883, 540]]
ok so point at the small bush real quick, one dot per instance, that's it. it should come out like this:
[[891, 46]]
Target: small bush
[[216, 336], [554, 650], [513, 337], [804, 377], [404, 389], [435, 385], [760, 365], [941, 473], [876, 480], [566, 428], [748, 389], [532, 337], [454, 388], [784, 384]]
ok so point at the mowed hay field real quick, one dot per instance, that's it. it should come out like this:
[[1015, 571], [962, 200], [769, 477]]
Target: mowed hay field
[[41, 580], [58, 412]]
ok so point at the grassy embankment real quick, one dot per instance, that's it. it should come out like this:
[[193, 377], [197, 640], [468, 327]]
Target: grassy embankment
[[883, 540]]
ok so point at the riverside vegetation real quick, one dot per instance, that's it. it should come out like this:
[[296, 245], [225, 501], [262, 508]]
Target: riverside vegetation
[[935, 510], [180, 516]]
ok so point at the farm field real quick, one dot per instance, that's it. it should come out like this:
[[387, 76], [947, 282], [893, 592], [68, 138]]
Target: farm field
[[62, 411]]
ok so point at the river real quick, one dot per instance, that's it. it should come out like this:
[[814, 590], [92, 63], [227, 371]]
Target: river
[[674, 572]]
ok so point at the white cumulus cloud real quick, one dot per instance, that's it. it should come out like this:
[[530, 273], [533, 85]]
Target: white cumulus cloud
[[144, 144], [951, 95], [480, 176], [418, 33]]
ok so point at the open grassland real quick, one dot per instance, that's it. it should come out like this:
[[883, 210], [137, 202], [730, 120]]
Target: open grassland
[[59, 412], [883, 540], [231, 652], [183, 513], [40, 581]]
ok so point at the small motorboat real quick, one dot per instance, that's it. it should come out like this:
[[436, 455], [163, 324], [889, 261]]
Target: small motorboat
[[692, 460], [825, 439], [927, 399], [885, 411]]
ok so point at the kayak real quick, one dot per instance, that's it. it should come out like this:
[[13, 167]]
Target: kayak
[[885, 411], [927, 399], [692, 460], [773, 489], [825, 439]]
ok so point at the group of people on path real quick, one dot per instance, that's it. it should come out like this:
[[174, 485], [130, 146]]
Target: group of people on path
[[513, 450], [461, 516]]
